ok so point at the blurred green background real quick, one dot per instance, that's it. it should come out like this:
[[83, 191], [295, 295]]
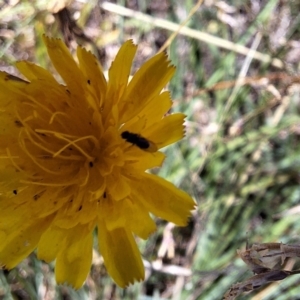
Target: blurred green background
[[240, 157]]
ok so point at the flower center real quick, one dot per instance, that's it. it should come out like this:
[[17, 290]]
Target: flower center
[[68, 147]]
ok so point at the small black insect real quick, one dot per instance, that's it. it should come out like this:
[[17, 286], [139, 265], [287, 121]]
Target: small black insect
[[139, 141]]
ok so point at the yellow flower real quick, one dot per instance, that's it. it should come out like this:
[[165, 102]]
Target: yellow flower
[[74, 158]]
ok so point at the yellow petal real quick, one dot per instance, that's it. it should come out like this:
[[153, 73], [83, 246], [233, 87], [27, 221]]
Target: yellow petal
[[163, 199], [9, 180], [74, 260], [120, 69], [10, 80], [10, 128], [96, 81], [157, 108], [169, 130], [151, 113], [50, 243], [75, 212], [142, 160], [118, 75], [145, 84], [118, 186], [20, 243], [18, 201], [121, 255], [10, 87], [81, 210], [114, 214], [65, 65], [138, 219], [34, 72]]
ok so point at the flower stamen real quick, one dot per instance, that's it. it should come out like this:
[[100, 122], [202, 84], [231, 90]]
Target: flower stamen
[[73, 143], [12, 161], [39, 145], [62, 136], [23, 146], [86, 179], [50, 184], [55, 114]]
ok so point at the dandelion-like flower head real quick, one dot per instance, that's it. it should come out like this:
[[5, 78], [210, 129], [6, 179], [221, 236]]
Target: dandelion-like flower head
[[74, 158]]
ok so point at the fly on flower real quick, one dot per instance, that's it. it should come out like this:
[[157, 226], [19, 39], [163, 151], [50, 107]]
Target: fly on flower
[[139, 141], [69, 170]]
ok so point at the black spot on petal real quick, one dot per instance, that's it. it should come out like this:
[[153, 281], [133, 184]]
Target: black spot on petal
[[36, 197], [89, 82], [15, 192], [18, 123], [80, 208], [91, 164]]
